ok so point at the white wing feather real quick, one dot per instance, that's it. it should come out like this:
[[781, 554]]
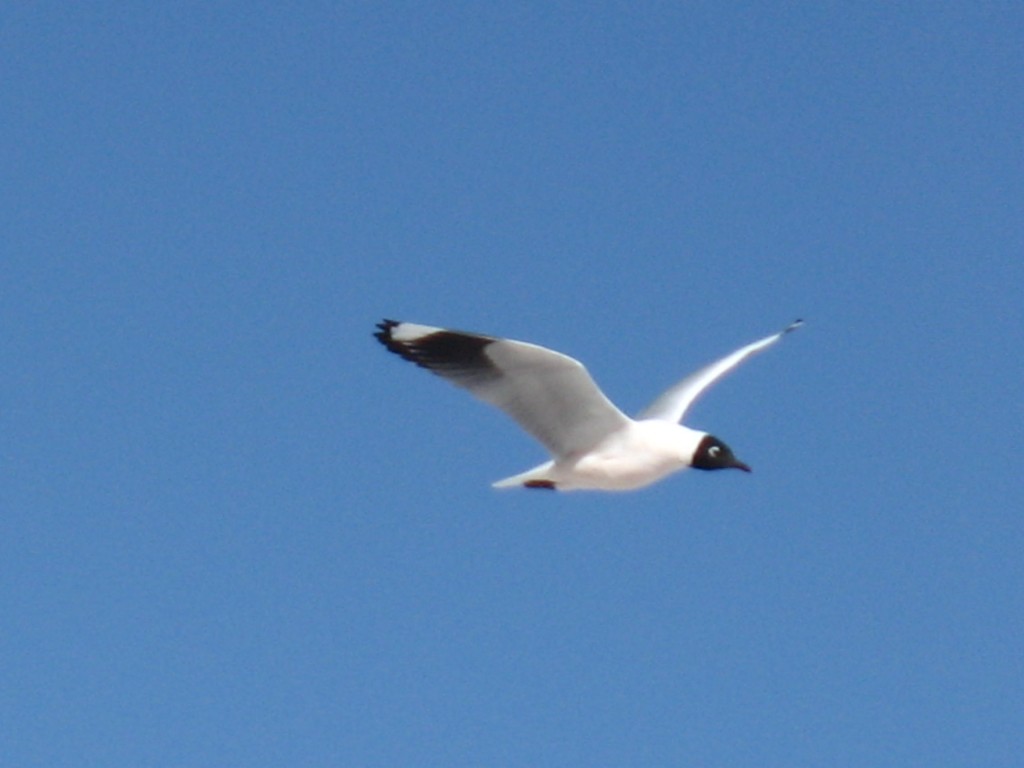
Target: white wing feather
[[550, 395], [673, 404]]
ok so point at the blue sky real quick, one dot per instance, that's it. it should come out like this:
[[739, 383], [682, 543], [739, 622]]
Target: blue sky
[[235, 531]]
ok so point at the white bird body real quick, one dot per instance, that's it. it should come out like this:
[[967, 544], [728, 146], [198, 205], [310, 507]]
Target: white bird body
[[638, 454], [593, 444]]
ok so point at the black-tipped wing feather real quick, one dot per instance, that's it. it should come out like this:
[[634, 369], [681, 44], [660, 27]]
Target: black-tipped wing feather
[[549, 394], [452, 355]]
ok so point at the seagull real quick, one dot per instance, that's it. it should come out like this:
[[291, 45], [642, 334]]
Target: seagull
[[593, 445]]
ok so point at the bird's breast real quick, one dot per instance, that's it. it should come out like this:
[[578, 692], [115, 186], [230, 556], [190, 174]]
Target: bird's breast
[[642, 454]]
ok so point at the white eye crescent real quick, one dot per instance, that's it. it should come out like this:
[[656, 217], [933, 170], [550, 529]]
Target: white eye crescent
[[713, 451]]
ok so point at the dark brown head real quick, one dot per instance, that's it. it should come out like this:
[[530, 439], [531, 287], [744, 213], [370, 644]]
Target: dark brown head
[[712, 453]]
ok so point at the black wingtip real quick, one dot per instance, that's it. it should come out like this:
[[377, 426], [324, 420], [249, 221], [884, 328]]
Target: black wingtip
[[384, 334], [384, 337], [438, 350]]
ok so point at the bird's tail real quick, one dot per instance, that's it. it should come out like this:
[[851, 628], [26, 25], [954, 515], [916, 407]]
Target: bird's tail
[[538, 477]]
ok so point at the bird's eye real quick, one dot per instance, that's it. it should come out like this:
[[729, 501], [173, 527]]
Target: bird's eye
[[713, 451]]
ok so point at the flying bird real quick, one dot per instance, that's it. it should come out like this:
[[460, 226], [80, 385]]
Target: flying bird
[[593, 444]]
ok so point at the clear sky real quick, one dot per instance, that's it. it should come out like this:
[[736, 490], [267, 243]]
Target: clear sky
[[234, 531]]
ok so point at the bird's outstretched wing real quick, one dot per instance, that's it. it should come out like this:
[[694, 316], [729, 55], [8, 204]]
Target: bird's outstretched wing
[[673, 404], [549, 394]]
